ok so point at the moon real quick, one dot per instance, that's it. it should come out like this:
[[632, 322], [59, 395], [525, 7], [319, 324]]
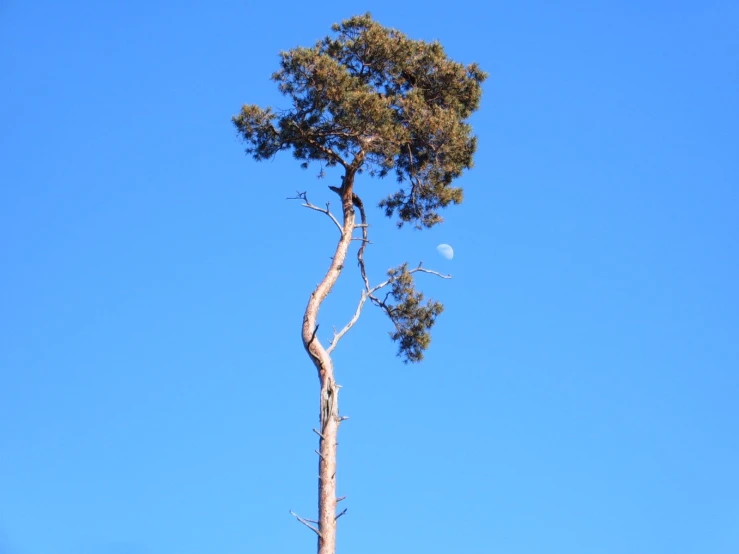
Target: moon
[[446, 251]]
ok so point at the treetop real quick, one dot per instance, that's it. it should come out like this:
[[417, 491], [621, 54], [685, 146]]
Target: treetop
[[369, 98]]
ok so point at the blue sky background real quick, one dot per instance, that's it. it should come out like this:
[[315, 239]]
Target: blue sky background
[[581, 392]]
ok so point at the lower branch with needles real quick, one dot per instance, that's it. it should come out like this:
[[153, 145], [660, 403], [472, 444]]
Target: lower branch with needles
[[369, 293]]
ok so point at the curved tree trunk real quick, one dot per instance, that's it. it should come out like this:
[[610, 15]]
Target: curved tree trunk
[[329, 399]]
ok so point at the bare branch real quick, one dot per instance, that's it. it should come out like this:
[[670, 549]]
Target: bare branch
[[305, 522], [352, 321], [340, 499], [382, 285], [424, 270], [341, 514], [328, 152], [306, 204], [317, 432]]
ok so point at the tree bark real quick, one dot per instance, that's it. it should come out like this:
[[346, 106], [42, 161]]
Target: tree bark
[[329, 399]]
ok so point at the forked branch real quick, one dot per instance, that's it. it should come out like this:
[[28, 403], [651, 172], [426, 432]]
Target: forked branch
[[415, 270], [306, 204], [307, 523]]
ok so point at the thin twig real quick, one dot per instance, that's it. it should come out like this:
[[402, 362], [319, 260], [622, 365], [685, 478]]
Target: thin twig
[[424, 270], [305, 522], [419, 268], [317, 432], [341, 514], [328, 152], [303, 196]]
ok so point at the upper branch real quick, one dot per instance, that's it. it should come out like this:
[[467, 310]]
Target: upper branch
[[303, 196], [415, 270]]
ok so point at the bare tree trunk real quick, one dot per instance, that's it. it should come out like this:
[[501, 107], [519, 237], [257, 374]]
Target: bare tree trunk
[[327, 499], [329, 400]]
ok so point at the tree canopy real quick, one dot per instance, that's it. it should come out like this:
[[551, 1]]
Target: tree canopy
[[369, 98]]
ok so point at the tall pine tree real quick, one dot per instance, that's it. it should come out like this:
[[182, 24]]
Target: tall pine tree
[[369, 99]]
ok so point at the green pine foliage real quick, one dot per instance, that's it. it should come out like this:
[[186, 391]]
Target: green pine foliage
[[412, 319], [401, 103]]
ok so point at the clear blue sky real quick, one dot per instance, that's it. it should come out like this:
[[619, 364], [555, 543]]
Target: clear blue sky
[[581, 395]]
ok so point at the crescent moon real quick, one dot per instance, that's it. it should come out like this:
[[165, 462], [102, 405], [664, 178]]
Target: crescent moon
[[446, 251]]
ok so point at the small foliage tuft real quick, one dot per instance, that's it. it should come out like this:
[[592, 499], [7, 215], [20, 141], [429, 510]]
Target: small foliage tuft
[[412, 319]]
